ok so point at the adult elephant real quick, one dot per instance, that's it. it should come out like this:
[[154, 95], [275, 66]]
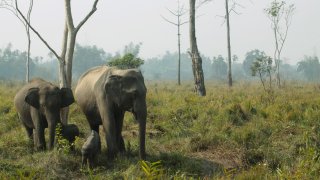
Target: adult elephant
[[38, 104], [105, 94]]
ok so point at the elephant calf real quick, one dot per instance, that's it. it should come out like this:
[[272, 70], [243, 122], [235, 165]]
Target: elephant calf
[[70, 132], [91, 148], [38, 104]]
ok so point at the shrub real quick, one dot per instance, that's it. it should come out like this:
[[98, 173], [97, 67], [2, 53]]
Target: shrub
[[128, 61]]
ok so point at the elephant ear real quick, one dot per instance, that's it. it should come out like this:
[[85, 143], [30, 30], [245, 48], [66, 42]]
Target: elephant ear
[[66, 97], [32, 97], [113, 87]]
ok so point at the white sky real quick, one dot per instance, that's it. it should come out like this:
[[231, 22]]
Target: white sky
[[119, 22]]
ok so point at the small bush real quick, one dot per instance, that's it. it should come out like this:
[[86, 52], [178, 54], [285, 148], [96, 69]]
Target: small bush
[[126, 62], [62, 145]]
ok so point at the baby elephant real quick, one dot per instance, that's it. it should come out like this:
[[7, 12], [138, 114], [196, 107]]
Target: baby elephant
[[91, 148], [70, 132]]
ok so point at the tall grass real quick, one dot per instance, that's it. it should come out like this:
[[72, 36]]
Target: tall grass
[[231, 133]]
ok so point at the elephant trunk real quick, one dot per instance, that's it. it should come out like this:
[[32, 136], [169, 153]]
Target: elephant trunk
[[140, 111]]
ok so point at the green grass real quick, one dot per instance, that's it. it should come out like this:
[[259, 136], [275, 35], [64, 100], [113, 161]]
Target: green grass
[[239, 133]]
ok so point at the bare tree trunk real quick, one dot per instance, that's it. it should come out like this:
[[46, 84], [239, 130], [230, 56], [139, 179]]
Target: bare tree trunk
[[29, 41], [180, 12], [69, 41], [277, 56], [195, 56], [229, 46], [179, 52], [69, 57], [62, 72], [28, 57]]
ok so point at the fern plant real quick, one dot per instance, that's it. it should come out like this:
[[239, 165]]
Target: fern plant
[[152, 170]]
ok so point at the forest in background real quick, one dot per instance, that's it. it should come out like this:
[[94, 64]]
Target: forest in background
[[12, 65]]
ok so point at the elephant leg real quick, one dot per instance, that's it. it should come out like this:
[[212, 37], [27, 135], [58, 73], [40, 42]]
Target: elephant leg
[[93, 126], [107, 116], [29, 132], [84, 160], [119, 124], [91, 160], [30, 135], [112, 148], [39, 140], [91, 119], [52, 132], [109, 126]]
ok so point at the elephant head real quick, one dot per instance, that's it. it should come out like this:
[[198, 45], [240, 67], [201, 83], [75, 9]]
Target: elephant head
[[47, 102], [126, 89]]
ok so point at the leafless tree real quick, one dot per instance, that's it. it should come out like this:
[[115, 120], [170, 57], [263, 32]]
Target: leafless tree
[[68, 44], [280, 16], [178, 14], [227, 18], [229, 10], [229, 44], [9, 5], [194, 53]]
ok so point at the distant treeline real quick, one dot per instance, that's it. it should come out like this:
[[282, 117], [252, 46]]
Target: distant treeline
[[13, 65]]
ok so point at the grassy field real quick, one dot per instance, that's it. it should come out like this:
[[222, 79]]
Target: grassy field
[[240, 133]]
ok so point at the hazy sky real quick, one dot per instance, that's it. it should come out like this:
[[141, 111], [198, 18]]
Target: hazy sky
[[119, 22]]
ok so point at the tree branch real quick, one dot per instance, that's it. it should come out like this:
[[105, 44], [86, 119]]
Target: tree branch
[[69, 18], [29, 17], [231, 9], [169, 21], [173, 12], [185, 22], [94, 8], [10, 7], [202, 3], [36, 32], [182, 11]]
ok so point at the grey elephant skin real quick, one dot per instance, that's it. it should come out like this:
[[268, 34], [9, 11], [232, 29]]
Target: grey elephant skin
[[70, 132], [38, 104], [90, 149], [104, 95]]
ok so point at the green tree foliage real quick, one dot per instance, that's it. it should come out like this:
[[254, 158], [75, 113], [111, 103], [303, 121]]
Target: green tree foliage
[[310, 67], [262, 67], [128, 57], [220, 68], [250, 57], [12, 63], [86, 57], [126, 62], [165, 67], [274, 9]]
